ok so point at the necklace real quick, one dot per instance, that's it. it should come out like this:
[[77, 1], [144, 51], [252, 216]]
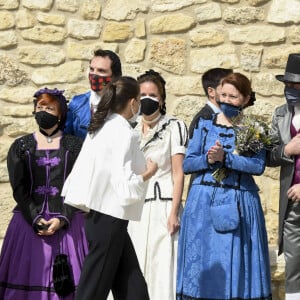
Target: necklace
[[151, 121], [49, 136]]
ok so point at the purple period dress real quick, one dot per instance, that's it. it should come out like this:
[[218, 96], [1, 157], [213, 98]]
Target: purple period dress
[[26, 261]]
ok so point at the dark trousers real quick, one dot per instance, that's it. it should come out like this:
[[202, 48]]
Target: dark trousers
[[111, 263], [291, 248]]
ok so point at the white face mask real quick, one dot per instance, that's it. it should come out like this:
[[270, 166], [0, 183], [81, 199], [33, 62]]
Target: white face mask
[[135, 115]]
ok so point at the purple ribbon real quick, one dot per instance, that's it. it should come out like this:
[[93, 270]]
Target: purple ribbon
[[44, 190], [44, 161]]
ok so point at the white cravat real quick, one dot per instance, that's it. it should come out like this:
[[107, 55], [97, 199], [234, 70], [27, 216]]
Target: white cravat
[[296, 118], [295, 296], [94, 100]]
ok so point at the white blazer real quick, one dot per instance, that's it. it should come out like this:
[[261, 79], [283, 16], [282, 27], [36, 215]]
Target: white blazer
[[106, 176]]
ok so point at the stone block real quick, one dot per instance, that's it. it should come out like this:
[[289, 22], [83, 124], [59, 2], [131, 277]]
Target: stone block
[[51, 19], [41, 55], [207, 36], [37, 4], [25, 19], [208, 12], [7, 20], [67, 5], [8, 39], [243, 15], [115, 31], [172, 5], [90, 9], [168, 54], [45, 34], [284, 12], [223, 56], [84, 30], [171, 23], [135, 51], [122, 10]]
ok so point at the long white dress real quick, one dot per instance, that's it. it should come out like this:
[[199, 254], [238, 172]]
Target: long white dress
[[155, 247]]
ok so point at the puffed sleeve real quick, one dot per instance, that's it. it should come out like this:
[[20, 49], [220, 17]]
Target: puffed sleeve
[[179, 137], [19, 178], [128, 166], [196, 159]]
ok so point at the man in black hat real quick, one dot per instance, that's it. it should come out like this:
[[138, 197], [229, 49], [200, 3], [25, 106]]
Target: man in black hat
[[286, 154]]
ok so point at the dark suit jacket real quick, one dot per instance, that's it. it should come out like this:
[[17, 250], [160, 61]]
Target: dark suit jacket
[[205, 112]]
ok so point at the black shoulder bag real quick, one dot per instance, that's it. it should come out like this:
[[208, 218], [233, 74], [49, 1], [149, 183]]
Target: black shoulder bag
[[63, 280]]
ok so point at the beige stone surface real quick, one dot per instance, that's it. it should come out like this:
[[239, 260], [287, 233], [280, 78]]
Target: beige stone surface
[[9, 4], [42, 55], [51, 19], [37, 4], [171, 23], [117, 32], [207, 36], [8, 39], [90, 9], [25, 19], [173, 5], [49, 43], [7, 20], [135, 51], [208, 12], [168, 54], [243, 15], [45, 34]]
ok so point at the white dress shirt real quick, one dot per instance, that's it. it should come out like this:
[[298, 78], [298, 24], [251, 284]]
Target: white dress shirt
[[107, 176]]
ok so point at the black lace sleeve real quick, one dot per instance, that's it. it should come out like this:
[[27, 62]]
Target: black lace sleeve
[[19, 177]]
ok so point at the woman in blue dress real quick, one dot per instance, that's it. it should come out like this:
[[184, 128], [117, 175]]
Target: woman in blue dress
[[232, 264]]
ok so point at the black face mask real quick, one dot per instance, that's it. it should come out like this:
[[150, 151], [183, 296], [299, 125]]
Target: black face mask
[[292, 96], [45, 120], [149, 105]]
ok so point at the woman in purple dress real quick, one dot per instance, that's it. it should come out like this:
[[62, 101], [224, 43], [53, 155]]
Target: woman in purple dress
[[42, 226]]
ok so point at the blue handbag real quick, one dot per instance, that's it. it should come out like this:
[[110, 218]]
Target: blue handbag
[[224, 212]]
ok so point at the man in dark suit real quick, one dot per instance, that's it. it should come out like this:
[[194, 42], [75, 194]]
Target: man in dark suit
[[211, 83], [286, 154]]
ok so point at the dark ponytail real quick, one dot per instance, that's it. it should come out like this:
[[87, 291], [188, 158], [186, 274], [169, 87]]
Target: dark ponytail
[[114, 99], [103, 108]]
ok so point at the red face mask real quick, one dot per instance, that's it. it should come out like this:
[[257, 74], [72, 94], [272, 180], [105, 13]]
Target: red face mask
[[98, 82]]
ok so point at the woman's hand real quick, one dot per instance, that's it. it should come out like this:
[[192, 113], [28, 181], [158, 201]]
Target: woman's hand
[[215, 153], [173, 223], [53, 224], [151, 169], [293, 192]]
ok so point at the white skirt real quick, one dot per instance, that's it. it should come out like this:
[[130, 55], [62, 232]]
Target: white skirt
[[156, 249]]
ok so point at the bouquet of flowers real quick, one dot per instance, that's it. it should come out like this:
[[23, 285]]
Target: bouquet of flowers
[[251, 136]]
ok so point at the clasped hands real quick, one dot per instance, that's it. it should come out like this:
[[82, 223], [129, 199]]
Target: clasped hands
[[215, 153], [50, 226]]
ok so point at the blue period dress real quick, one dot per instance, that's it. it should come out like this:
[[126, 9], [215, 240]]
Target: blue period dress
[[227, 265]]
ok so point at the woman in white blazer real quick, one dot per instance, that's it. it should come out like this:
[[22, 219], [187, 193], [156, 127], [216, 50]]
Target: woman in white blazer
[[109, 181]]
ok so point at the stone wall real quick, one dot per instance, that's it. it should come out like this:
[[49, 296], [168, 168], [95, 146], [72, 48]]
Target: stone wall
[[49, 42]]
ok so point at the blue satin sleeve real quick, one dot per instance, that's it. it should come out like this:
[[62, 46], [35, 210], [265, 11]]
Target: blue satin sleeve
[[254, 165]]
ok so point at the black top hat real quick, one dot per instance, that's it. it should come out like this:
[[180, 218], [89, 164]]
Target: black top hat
[[292, 69]]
